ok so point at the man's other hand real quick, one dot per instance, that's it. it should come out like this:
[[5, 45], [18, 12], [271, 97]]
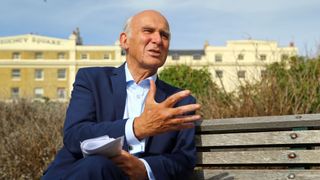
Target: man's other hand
[[131, 166], [162, 117]]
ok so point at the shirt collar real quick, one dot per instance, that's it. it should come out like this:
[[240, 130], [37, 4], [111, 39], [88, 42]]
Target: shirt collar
[[129, 78]]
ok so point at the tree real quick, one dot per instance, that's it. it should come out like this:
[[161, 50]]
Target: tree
[[196, 80]]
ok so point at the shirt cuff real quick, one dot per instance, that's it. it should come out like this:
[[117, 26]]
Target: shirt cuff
[[135, 146], [149, 171]]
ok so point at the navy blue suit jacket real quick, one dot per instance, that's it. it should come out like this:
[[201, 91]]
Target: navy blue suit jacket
[[96, 108]]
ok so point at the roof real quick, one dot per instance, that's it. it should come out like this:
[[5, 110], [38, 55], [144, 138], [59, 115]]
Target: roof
[[190, 52]]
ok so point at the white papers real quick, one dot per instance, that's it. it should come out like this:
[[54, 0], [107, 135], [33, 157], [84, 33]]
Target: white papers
[[103, 145]]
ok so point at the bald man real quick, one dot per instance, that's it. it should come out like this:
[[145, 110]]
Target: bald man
[[156, 119]]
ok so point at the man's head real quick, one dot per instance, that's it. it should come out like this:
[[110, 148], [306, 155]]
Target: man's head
[[146, 40]]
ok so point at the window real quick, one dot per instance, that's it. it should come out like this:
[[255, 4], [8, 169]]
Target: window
[[15, 74], [263, 57], [284, 57], [61, 93], [38, 92], [61, 55], [218, 57], [15, 93], [240, 57], [219, 74], [175, 57], [263, 73], [106, 56], [38, 74], [16, 55], [84, 56], [61, 73], [38, 55], [123, 52], [196, 57], [241, 74]]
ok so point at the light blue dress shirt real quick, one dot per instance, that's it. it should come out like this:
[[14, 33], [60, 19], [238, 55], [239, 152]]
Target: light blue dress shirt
[[136, 95]]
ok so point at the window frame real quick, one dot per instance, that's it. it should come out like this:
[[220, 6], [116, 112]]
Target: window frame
[[263, 57], [219, 73], [36, 73], [14, 54], [60, 71], [16, 75], [197, 57], [240, 57], [38, 55], [241, 74], [216, 59], [61, 90], [84, 56], [15, 95], [38, 95]]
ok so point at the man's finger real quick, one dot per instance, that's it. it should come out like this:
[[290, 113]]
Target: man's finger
[[173, 99], [182, 110], [184, 119], [152, 92]]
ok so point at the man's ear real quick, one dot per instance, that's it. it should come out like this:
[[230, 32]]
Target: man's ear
[[124, 41]]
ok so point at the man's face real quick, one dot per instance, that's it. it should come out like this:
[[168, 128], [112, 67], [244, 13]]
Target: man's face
[[148, 42]]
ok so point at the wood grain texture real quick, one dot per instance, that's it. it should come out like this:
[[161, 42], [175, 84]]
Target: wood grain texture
[[259, 138], [258, 174], [264, 122], [259, 148], [260, 157]]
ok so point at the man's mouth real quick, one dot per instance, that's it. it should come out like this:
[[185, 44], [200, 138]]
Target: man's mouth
[[154, 52]]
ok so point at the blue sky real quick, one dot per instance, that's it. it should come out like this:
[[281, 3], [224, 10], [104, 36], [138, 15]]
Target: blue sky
[[192, 21]]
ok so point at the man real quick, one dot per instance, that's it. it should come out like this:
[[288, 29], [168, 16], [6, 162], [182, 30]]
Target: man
[[156, 119]]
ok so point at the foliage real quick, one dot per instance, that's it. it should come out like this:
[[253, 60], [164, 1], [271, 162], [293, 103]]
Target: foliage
[[31, 134], [197, 81]]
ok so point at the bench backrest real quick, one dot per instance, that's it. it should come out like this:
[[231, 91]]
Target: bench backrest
[[273, 147]]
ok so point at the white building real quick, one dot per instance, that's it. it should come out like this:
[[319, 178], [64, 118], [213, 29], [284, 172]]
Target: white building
[[242, 60], [33, 66]]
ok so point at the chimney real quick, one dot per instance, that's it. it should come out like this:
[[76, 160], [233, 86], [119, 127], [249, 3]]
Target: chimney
[[291, 44]]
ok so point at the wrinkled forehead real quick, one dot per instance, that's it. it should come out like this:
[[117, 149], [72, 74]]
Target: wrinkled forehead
[[150, 18]]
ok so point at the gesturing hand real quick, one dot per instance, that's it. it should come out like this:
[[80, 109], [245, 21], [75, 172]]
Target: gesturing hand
[[162, 117]]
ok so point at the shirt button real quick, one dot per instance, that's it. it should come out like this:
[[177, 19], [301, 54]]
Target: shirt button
[[138, 96], [130, 147]]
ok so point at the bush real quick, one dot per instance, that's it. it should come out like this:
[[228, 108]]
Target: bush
[[198, 81], [31, 134]]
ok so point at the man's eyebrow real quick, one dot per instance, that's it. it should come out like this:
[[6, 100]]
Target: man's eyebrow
[[150, 27], [147, 27]]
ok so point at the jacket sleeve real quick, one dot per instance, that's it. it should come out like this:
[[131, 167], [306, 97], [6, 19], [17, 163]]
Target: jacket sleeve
[[178, 164], [81, 119]]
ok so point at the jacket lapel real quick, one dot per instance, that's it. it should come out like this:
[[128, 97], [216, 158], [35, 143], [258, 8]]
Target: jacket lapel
[[118, 80], [161, 94]]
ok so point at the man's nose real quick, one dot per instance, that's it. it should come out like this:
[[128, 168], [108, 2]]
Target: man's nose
[[156, 38]]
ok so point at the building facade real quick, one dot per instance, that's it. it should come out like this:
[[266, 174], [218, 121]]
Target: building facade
[[34, 66]]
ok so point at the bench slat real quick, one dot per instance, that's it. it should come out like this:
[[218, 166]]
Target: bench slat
[[260, 157], [260, 138], [258, 174], [264, 122]]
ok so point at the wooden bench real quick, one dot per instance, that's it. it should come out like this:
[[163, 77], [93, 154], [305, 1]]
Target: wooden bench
[[259, 148]]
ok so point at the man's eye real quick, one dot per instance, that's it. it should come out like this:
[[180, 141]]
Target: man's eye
[[147, 30], [165, 35]]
